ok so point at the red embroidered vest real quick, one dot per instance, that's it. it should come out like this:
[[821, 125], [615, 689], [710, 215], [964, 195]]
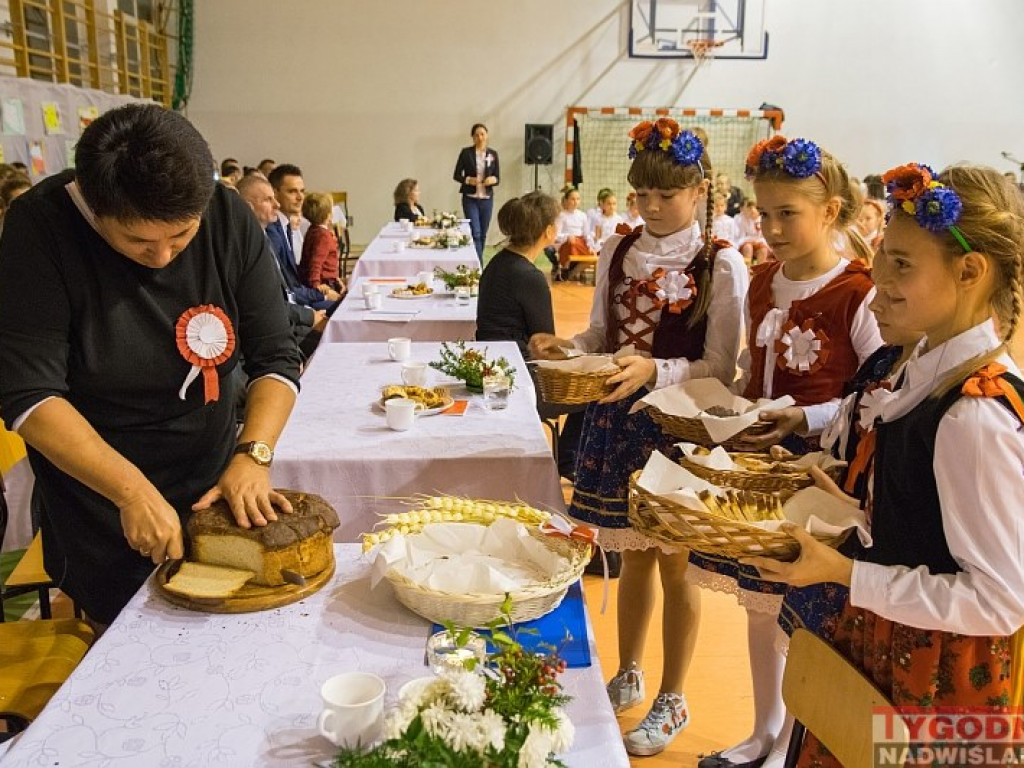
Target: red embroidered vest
[[663, 333], [829, 313]]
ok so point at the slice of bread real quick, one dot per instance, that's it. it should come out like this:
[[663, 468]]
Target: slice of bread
[[200, 580]]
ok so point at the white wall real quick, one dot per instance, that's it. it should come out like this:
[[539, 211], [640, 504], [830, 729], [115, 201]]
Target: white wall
[[362, 93]]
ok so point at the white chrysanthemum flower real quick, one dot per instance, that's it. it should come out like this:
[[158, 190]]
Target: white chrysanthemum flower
[[462, 732], [490, 730], [536, 748], [398, 720], [565, 733], [437, 720], [467, 690]]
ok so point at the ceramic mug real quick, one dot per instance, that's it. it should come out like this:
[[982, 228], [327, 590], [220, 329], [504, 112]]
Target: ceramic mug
[[353, 709], [401, 413], [426, 277], [399, 348], [372, 300], [398, 246], [369, 288], [414, 374]]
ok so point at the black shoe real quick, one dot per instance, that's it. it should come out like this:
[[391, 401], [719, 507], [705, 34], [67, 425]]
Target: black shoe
[[596, 568], [715, 760]]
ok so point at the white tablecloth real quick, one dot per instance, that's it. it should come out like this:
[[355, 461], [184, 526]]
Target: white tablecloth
[[338, 444], [433, 318], [383, 259], [170, 688]]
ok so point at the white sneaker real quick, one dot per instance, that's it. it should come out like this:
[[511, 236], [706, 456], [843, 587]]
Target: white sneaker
[[626, 689], [668, 716]]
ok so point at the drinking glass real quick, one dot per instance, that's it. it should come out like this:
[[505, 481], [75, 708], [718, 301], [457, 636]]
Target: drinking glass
[[496, 390], [444, 653]]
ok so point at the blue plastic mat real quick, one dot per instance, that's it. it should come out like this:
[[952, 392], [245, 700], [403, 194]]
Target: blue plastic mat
[[565, 628]]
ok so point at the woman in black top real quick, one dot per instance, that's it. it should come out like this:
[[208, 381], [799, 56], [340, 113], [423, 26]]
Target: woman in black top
[[130, 290], [477, 172], [407, 200], [515, 301]]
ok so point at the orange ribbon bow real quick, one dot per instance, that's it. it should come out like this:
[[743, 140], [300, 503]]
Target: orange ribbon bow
[[989, 382], [560, 526]]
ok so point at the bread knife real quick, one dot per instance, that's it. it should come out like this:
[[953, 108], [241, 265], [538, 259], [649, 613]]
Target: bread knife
[[293, 577]]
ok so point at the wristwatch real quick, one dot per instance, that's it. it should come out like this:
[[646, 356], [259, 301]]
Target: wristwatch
[[258, 451]]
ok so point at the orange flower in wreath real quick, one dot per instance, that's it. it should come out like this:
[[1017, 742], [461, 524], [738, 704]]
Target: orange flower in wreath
[[802, 349], [205, 339], [667, 128], [641, 132], [775, 144], [907, 182]]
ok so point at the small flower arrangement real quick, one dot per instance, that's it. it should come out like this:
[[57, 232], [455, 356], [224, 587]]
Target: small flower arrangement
[[462, 275], [471, 365], [508, 714], [913, 189], [443, 220], [450, 238], [664, 134], [799, 158]]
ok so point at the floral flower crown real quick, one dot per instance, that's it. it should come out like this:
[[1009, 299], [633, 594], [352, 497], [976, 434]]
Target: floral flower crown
[[664, 134], [912, 188], [799, 158]]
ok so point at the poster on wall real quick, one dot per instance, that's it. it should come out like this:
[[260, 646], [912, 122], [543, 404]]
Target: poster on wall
[[13, 117], [52, 121], [85, 117], [38, 161], [69, 153]]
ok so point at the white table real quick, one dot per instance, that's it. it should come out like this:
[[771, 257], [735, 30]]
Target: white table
[[166, 687], [435, 317], [382, 257], [337, 443]]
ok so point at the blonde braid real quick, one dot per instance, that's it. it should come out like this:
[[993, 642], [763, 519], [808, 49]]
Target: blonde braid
[[703, 301], [1016, 296]]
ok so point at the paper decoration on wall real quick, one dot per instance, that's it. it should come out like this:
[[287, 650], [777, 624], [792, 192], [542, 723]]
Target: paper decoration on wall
[[85, 116], [52, 121], [69, 153], [35, 154], [13, 117]]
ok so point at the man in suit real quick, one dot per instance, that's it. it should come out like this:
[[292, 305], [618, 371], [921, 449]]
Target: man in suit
[[307, 323]]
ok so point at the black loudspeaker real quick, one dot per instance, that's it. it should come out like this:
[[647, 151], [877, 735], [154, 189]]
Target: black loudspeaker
[[539, 147]]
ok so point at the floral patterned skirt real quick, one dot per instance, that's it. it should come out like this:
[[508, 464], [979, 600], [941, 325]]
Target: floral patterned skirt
[[613, 445], [919, 667]]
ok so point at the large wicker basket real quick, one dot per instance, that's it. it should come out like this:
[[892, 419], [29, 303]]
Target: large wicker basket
[[477, 610], [692, 430], [783, 480], [562, 387], [712, 534]]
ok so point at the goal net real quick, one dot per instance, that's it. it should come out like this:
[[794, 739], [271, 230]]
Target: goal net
[[604, 142]]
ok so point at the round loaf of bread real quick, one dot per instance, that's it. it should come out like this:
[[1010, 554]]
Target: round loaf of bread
[[299, 542]]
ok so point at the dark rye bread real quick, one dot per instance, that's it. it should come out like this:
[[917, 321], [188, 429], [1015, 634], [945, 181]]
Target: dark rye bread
[[311, 515]]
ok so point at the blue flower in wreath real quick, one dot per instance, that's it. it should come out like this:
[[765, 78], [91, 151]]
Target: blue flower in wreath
[[801, 158], [770, 160], [938, 209], [687, 148]]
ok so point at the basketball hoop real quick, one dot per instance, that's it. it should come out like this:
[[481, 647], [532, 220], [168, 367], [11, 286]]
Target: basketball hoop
[[703, 49]]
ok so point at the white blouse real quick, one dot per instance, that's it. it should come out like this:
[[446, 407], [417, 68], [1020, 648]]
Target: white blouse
[[725, 312], [863, 334], [572, 224], [748, 230], [606, 225], [724, 228], [978, 463]]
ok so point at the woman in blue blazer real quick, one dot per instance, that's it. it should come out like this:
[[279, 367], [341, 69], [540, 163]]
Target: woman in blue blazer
[[477, 173]]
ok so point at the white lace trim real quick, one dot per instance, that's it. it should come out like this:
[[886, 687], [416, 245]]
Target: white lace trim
[[781, 641], [717, 582], [620, 539]]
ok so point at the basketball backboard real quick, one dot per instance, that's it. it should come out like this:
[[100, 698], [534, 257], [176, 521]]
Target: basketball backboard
[[663, 29]]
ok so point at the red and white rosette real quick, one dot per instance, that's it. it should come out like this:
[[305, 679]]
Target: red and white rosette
[[803, 349], [205, 339], [676, 289]]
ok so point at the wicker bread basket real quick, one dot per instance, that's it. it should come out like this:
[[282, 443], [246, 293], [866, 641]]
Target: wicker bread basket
[[783, 479], [562, 387], [692, 430], [477, 610], [715, 534]]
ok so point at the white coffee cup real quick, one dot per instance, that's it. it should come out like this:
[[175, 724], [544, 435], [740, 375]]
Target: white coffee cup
[[398, 246], [353, 709], [369, 288], [426, 277], [399, 348], [372, 300], [401, 413], [415, 374]]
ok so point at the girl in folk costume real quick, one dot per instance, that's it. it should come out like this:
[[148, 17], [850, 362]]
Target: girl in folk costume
[[810, 329], [678, 299], [934, 602], [572, 229]]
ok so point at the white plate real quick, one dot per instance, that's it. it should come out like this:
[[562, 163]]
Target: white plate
[[407, 296], [425, 411]]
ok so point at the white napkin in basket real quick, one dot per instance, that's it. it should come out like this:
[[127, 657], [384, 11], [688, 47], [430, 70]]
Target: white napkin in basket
[[719, 459], [466, 558], [692, 398], [813, 509]]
